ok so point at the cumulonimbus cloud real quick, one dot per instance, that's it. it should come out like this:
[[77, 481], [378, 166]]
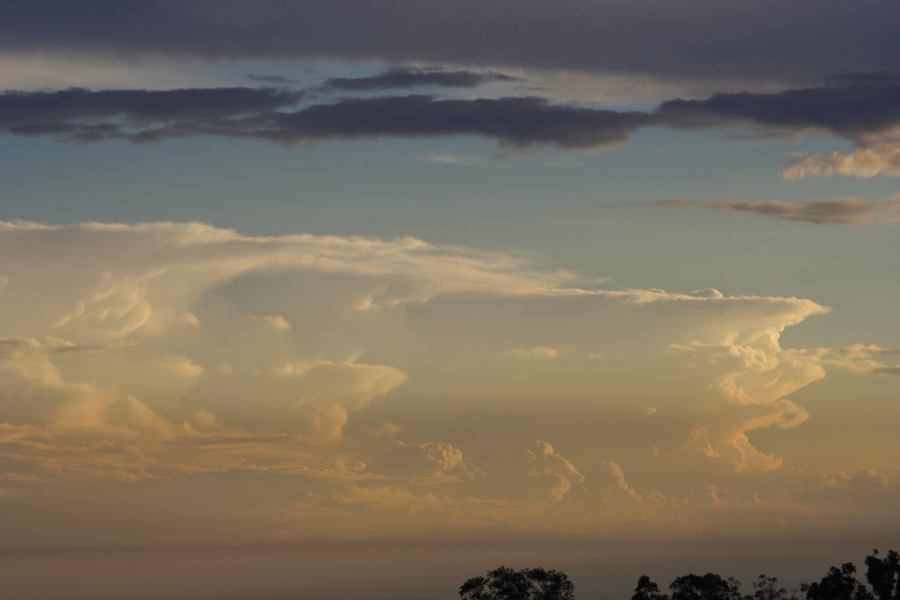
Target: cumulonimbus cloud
[[106, 377]]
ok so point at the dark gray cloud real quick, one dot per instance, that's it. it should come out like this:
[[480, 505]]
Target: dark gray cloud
[[851, 106], [400, 78], [838, 211], [271, 79], [854, 107], [142, 116], [518, 121], [799, 40], [85, 115]]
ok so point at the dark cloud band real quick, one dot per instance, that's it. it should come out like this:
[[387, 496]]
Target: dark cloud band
[[401, 78], [856, 108], [761, 39]]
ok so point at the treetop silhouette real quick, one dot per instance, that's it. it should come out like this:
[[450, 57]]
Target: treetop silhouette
[[839, 583]]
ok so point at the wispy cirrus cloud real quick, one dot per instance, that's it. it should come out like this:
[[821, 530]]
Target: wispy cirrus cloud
[[838, 211]]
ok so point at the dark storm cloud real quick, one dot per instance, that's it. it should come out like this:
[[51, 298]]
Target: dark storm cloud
[[796, 40], [854, 107], [142, 116], [851, 106], [85, 115], [399, 78], [517, 121], [271, 79]]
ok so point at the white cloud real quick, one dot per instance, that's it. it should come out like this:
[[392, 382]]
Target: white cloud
[[879, 159], [430, 462], [182, 366], [394, 339], [534, 353], [455, 160], [276, 322]]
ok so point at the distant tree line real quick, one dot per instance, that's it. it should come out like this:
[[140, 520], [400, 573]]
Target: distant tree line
[[882, 582]]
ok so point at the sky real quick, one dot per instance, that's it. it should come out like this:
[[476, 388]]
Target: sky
[[410, 289]]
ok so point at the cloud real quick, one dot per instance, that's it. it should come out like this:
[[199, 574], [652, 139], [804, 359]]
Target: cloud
[[396, 396], [852, 107], [724, 434], [859, 109], [320, 395], [697, 39], [405, 77], [275, 321], [858, 358], [846, 486], [271, 79], [448, 158], [879, 159], [535, 353], [182, 366], [535, 471], [840, 211], [430, 462], [88, 116], [843, 211], [148, 116], [607, 482], [141, 263], [55, 425]]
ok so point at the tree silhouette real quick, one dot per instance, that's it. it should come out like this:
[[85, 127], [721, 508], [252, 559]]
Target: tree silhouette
[[705, 587], [767, 588], [838, 584], [647, 589], [504, 583], [883, 575]]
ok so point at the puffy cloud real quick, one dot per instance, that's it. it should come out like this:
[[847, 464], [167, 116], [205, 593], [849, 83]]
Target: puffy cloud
[[844, 486], [859, 358], [535, 353], [392, 341], [724, 434], [430, 462], [275, 321], [324, 393], [871, 160], [182, 366], [535, 471], [607, 482], [52, 424]]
